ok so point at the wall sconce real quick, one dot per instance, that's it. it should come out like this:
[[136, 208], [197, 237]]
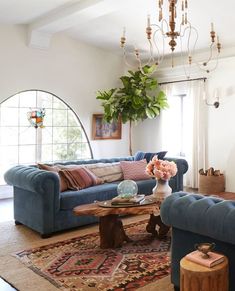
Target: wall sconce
[[216, 104]]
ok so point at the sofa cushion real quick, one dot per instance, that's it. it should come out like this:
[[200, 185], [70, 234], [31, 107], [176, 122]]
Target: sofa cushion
[[148, 156], [79, 178], [108, 172], [134, 170], [71, 199]]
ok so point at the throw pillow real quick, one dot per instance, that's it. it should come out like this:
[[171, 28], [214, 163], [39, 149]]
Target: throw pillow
[[134, 170], [148, 156], [79, 178], [108, 172], [48, 168], [139, 156], [56, 169]]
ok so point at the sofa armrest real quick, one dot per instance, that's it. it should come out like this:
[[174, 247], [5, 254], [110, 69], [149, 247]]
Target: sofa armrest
[[182, 164], [208, 216], [176, 182], [34, 180]]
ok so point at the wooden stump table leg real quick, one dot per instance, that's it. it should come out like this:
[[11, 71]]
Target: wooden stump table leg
[[151, 226], [163, 229], [153, 222], [112, 234]]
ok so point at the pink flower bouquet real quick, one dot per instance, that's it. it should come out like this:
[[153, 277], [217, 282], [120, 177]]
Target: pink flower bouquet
[[161, 169]]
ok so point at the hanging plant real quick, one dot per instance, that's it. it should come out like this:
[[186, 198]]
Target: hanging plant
[[139, 98]]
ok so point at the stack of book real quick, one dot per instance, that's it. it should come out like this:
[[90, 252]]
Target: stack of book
[[125, 200], [213, 260]]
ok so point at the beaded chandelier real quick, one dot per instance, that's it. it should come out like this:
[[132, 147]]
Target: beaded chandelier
[[178, 32]]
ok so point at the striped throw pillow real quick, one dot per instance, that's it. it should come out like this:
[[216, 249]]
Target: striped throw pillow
[[108, 172], [79, 178]]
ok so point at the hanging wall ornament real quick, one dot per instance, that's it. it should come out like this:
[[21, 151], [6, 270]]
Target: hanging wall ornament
[[36, 116]]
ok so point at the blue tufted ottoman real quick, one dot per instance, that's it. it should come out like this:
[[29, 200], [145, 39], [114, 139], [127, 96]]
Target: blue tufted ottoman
[[195, 218]]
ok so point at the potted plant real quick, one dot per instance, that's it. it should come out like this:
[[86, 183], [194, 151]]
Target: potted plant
[[139, 98]]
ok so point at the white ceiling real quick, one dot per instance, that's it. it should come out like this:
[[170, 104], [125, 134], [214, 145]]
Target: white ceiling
[[26, 11], [100, 22]]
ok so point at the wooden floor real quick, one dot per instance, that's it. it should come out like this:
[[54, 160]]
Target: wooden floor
[[227, 195]]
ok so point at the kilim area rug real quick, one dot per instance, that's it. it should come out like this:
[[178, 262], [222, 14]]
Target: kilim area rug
[[80, 264]]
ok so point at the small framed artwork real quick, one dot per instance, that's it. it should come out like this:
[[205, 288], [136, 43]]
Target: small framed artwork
[[103, 130]]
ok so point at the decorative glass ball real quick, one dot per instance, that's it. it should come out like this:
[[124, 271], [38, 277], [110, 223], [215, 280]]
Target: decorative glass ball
[[127, 188]]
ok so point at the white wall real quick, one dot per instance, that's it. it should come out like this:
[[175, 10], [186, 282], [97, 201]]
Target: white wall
[[221, 122], [147, 135], [71, 70]]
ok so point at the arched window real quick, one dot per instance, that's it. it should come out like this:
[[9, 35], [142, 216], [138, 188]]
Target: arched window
[[37, 126]]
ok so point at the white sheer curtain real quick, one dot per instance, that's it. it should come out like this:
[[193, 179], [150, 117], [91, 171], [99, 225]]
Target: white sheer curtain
[[197, 157], [186, 134]]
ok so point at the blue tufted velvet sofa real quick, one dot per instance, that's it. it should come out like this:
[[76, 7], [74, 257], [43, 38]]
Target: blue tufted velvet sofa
[[195, 218], [39, 204]]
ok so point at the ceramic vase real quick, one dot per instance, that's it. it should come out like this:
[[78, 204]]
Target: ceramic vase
[[161, 190]]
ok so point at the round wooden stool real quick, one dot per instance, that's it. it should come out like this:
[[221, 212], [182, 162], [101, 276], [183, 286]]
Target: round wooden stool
[[194, 277]]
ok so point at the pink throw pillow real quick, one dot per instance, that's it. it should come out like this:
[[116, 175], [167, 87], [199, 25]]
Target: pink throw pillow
[[134, 170]]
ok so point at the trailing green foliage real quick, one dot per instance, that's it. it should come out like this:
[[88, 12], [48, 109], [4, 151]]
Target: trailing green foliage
[[137, 99]]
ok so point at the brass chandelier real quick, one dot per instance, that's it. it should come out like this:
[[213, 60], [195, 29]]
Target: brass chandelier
[[167, 30]]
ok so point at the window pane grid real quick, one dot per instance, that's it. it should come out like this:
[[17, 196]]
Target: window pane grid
[[61, 138]]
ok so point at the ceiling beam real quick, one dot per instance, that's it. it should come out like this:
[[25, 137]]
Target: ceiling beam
[[41, 31]]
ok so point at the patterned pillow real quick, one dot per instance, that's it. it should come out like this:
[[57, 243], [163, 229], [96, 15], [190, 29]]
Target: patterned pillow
[[63, 183], [108, 172], [79, 178], [134, 170]]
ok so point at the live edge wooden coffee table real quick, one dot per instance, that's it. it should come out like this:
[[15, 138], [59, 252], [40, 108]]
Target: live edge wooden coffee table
[[112, 233]]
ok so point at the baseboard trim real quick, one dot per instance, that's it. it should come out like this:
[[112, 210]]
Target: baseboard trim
[[6, 196], [6, 191]]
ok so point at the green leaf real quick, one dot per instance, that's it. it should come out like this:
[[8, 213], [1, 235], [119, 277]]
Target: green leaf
[[156, 110], [136, 99], [125, 81], [138, 92], [161, 95], [149, 69], [131, 73], [135, 106], [150, 113], [145, 69]]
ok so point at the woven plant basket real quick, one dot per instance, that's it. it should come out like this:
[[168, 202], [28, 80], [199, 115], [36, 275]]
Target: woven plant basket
[[211, 184]]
